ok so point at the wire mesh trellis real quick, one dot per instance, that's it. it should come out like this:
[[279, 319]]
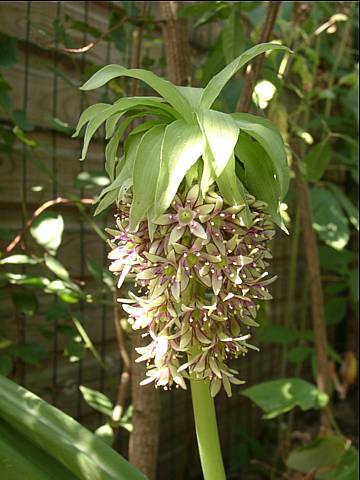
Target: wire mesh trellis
[[46, 79]]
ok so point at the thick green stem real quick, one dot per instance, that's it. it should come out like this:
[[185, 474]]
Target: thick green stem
[[206, 431]]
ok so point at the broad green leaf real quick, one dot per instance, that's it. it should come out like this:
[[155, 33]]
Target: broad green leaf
[[97, 400], [279, 396], [106, 200], [221, 134], [56, 267], [88, 114], [317, 160], [350, 209], [182, 146], [329, 220], [207, 174], [146, 173], [322, 452], [192, 94], [232, 190], [119, 106], [217, 83], [259, 176], [265, 132], [47, 230], [113, 145], [20, 458], [347, 468], [60, 437], [106, 433], [233, 35], [126, 166], [20, 259], [166, 89]]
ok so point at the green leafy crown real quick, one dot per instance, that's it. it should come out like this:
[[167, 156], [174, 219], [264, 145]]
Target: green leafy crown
[[185, 139]]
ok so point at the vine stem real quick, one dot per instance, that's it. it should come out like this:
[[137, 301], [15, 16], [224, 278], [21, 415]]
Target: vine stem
[[206, 431]]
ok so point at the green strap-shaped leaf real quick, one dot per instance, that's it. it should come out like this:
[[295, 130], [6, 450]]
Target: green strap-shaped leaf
[[221, 134], [127, 165], [217, 83], [192, 94], [119, 106], [259, 174], [207, 174], [166, 89], [265, 132], [19, 458], [182, 146], [113, 145], [61, 437], [145, 174], [232, 189], [88, 115]]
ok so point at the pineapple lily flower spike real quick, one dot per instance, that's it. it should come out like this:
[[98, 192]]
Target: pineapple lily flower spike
[[197, 193]]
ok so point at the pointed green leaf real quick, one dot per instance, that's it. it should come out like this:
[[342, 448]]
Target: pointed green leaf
[[192, 94], [208, 174], [106, 200], [97, 400], [259, 177], [182, 146], [119, 106], [265, 132], [145, 174], [217, 83], [317, 160], [168, 91], [317, 454], [60, 437], [221, 133], [232, 189], [279, 396], [88, 115]]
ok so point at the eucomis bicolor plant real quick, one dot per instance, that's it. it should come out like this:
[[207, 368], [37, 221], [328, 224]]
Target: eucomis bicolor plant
[[197, 192]]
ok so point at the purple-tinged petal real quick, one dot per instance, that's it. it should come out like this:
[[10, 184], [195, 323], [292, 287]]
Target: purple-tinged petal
[[192, 196], [176, 233], [166, 219], [198, 230]]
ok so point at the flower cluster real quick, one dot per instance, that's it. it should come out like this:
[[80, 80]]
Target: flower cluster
[[200, 275]]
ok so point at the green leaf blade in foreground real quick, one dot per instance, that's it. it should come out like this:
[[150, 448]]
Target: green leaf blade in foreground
[[279, 396], [221, 134], [182, 146], [61, 437], [145, 174], [34, 465], [217, 83], [265, 133], [166, 89], [259, 174]]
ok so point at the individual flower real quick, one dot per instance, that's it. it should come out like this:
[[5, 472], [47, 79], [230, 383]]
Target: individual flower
[[185, 214]]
